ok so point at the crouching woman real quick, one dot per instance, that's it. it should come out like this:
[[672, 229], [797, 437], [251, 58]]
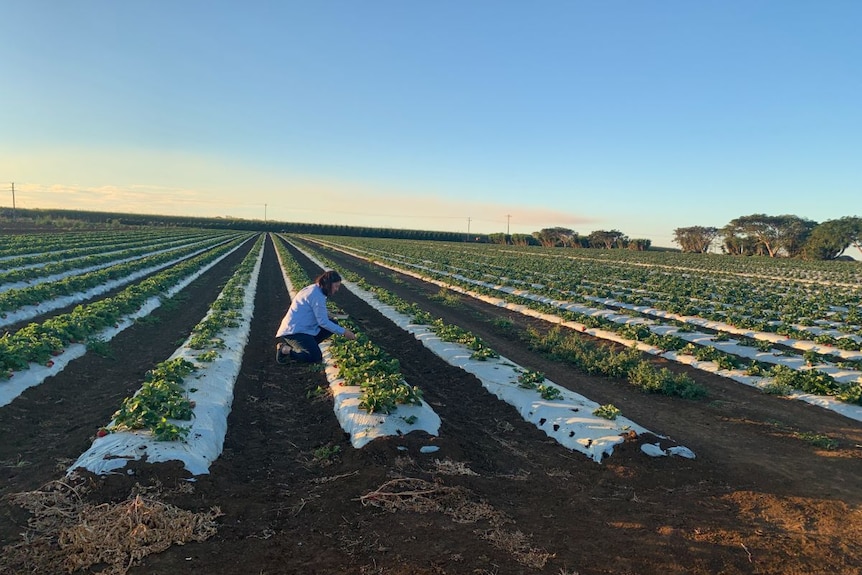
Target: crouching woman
[[307, 323]]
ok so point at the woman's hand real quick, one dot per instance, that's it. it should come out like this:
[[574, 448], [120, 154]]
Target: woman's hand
[[348, 334]]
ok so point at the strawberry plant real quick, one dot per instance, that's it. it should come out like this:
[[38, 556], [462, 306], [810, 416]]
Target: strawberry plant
[[530, 379], [208, 356], [363, 364], [162, 397], [607, 411], [549, 392]]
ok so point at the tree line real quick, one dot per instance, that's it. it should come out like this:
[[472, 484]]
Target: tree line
[[58, 219], [757, 234], [565, 238], [775, 236], [560, 237]]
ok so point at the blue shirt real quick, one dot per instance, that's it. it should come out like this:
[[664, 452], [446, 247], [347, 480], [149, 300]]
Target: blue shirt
[[307, 314]]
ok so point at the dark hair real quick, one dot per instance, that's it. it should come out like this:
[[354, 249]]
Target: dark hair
[[326, 279]]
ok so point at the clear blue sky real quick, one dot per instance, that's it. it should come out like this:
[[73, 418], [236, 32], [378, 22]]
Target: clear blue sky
[[640, 116]]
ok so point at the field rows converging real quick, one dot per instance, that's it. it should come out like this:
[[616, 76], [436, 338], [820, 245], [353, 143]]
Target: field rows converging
[[24, 303], [195, 385], [142, 429], [571, 419], [775, 304], [50, 266], [829, 377], [39, 350], [501, 410], [19, 250], [180, 413]]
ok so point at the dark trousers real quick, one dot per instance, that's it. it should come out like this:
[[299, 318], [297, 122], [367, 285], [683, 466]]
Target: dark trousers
[[304, 347]]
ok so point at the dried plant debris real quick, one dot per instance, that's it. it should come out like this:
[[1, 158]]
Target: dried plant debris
[[414, 494], [67, 533], [449, 467], [420, 496], [518, 545]]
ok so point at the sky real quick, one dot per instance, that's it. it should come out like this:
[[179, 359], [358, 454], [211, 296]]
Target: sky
[[455, 115]]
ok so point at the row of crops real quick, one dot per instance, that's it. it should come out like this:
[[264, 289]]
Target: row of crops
[[638, 302], [180, 410], [789, 331], [571, 419], [178, 414], [169, 418], [34, 295], [31, 352]]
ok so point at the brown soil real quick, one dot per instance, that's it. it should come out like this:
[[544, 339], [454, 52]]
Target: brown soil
[[498, 497]]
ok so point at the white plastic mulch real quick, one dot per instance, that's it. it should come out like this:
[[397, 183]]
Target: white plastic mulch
[[364, 427], [569, 421], [213, 385], [30, 311], [850, 411], [36, 373]]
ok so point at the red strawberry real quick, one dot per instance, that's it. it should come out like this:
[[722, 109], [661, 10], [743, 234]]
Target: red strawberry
[[49, 363], [102, 432]]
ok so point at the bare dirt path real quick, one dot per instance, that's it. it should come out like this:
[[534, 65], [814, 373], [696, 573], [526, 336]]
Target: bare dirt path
[[497, 497]]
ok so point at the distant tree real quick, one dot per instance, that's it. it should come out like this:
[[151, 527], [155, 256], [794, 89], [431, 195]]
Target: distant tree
[[523, 240], [640, 245], [607, 239], [695, 239], [555, 237], [546, 237], [735, 245], [856, 226], [499, 238], [793, 233], [769, 234], [829, 240]]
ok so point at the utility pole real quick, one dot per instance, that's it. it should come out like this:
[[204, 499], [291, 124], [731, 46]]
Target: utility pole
[[468, 229], [264, 213], [13, 201], [508, 237]]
